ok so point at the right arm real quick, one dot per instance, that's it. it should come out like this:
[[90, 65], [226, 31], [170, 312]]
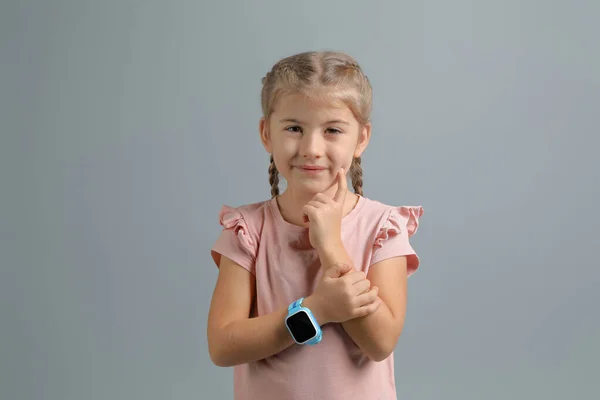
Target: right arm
[[233, 337]]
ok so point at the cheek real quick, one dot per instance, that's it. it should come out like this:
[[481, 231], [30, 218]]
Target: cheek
[[284, 150], [341, 157], [282, 155]]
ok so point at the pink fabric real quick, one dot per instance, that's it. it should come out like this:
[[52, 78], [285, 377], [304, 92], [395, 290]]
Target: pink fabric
[[286, 268]]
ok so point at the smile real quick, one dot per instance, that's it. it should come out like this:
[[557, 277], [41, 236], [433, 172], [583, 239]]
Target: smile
[[311, 169]]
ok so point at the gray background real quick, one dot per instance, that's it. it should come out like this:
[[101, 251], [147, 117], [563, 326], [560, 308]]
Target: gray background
[[126, 124]]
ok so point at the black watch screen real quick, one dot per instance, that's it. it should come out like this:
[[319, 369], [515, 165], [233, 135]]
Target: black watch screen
[[301, 326]]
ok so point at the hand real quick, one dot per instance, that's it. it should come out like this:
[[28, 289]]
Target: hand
[[342, 295], [323, 216]]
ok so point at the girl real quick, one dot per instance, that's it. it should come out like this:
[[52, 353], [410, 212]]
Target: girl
[[311, 293]]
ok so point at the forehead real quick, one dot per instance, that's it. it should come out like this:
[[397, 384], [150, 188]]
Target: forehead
[[312, 108]]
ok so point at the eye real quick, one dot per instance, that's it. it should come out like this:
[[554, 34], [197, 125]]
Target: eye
[[294, 128], [334, 131]]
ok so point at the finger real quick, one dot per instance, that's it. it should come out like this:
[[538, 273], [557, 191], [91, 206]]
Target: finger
[[315, 204], [361, 287], [322, 198], [342, 189], [355, 277], [309, 212], [369, 297], [336, 270], [344, 268], [368, 309]]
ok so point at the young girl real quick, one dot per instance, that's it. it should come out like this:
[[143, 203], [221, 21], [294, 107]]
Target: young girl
[[311, 294]]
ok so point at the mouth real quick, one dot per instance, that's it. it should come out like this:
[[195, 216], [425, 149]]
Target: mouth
[[312, 169]]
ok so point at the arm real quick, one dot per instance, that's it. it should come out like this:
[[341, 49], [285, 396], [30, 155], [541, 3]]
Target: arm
[[233, 337], [377, 334]]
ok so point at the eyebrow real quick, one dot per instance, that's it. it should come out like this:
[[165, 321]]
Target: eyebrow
[[333, 121]]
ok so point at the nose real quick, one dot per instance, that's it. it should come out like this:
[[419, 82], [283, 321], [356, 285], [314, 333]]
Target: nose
[[312, 145]]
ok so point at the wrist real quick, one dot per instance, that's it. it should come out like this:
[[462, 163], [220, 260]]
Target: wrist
[[312, 303], [331, 253]]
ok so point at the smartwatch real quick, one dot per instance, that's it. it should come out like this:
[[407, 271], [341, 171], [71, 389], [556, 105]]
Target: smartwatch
[[302, 324]]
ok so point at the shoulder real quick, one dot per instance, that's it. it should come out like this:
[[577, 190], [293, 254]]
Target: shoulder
[[249, 217], [385, 216], [250, 212], [392, 228], [242, 228]]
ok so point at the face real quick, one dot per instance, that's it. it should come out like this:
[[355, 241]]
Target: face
[[310, 141]]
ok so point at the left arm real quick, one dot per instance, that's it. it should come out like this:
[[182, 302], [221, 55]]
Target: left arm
[[377, 334]]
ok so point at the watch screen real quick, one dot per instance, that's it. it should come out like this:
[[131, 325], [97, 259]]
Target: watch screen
[[301, 327]]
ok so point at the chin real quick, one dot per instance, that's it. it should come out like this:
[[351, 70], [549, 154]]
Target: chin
[[311, 187]]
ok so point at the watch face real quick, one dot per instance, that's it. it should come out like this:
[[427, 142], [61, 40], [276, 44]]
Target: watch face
[[301, 327]]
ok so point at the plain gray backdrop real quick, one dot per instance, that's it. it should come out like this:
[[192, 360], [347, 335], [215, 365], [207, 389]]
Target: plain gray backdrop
[[125, 125]]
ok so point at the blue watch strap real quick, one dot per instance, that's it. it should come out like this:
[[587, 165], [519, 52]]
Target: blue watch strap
[[296, 305], [317, 338]]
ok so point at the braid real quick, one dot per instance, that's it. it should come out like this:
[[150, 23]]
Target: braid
[[273, 179], [356, 174]]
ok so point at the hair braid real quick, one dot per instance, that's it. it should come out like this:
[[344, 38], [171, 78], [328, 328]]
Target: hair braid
[[273, 178], [356, 174]]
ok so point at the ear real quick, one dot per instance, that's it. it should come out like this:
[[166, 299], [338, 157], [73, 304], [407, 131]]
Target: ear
[[265, 137], [364, 137]]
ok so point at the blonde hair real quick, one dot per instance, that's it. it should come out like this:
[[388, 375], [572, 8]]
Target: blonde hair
[[310, 73]]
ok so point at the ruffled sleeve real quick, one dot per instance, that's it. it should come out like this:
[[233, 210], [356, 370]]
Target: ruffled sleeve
[[235, 240], [392, 238]]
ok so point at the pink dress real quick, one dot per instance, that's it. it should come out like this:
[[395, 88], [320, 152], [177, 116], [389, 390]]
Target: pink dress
[[286, 268]]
